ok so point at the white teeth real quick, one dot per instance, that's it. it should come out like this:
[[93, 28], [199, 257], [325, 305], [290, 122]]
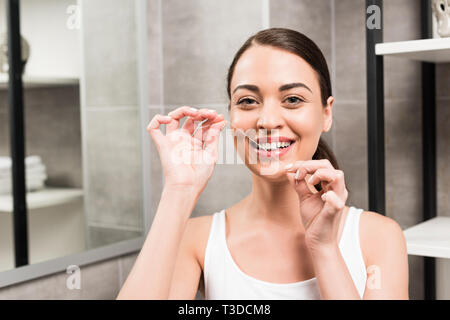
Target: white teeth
[[274, 145]]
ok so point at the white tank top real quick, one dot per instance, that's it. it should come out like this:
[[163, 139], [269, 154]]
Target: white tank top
[[224, 280]]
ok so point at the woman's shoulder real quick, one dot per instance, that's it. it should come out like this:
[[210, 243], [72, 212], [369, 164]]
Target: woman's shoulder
[[378, 233], [197, 233]]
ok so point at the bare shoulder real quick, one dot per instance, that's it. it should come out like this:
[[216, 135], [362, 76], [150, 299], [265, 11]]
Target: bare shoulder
[[379, 233], [197, 233]]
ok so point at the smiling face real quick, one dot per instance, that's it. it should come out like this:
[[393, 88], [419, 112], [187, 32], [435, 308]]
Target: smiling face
[[275, 94]]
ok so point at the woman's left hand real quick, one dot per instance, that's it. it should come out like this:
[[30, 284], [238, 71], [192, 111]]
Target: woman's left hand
[[320, 210]]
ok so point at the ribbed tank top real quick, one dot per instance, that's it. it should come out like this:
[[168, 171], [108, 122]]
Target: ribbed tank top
[[225, 280]]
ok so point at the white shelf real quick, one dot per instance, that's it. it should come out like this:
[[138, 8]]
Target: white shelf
[[37, 82], [430, 238], [42, 198], [427, 50]]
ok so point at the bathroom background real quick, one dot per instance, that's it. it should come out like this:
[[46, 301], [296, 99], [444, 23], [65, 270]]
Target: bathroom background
[[197, 39]]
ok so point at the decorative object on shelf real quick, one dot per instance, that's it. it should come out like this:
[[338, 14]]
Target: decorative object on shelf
[[4, 66], [441, 11]]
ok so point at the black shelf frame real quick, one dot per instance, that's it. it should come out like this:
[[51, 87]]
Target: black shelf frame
[[375, 131], [17, 133]]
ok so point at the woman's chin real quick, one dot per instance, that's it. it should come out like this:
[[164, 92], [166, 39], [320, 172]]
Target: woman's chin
[[273, 170]]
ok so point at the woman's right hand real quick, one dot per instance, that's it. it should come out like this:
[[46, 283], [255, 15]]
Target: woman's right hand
[[185, 163]]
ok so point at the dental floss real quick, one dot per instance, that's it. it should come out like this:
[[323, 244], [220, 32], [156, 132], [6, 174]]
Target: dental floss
[[199, 126], [252, 139]]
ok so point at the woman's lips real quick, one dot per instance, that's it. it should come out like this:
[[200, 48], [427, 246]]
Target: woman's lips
[[277, 153]]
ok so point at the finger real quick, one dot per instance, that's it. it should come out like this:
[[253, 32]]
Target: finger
[[190, 124], [299, 185], [209, 124], [211, 118], [333, 203], [212, 137], [308, 166], [154, 125], [179, 113], [333, 179]]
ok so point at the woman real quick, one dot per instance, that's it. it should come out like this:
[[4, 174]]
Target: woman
[[292, 237]]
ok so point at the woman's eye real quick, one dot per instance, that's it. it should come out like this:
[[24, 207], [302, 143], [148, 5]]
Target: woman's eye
[[294, 100], [246, 101]]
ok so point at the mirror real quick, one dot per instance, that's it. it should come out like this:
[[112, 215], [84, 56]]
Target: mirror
[[82, 120]]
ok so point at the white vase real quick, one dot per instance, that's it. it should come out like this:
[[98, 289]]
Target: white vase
[[441, 11], [4, 66]]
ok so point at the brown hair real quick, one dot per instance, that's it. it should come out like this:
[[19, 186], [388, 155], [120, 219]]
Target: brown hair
[[299, 44]]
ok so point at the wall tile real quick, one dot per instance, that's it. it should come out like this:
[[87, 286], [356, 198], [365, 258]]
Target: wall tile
[[4, 125], [403, 161], [199, 42], [126, 263], [155, 59], [310, 17], [443, 157], [98, 281], [401, 76], [102, 236], [416, 281], [114, 167], [350, 50], [401, 20], [110, 52], [351, 149], [443, 80], [443, 276], [402, 79]]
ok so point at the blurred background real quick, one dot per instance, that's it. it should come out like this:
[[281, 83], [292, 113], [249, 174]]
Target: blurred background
[[83, 120]]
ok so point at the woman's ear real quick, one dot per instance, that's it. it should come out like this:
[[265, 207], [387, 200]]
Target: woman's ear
[[328, 114]]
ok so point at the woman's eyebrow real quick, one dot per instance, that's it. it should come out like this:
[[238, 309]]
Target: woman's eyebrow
[[294, 85], [284, 87], [250, 87]]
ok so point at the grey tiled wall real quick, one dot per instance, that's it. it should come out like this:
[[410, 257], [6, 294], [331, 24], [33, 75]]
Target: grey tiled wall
[[111, 121]]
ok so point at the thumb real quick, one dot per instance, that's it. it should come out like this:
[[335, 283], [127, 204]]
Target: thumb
[[299, 185]]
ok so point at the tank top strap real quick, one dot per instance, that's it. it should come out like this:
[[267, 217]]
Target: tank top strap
[[350, 233], [215, 237]]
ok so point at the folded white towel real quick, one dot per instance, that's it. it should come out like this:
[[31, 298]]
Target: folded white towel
[[30, 162], [37, 169], [32, 183]]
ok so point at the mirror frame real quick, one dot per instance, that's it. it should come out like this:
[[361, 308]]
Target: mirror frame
[[57, 265]]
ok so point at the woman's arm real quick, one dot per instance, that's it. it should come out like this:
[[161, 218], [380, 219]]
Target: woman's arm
[[333, 277], [384, 246], [384, 243], [151, 275], [188, 157]]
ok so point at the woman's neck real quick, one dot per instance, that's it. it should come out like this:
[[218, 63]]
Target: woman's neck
[[272, 203]]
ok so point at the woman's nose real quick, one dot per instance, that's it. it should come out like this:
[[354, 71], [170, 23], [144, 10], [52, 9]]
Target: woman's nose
[[270, 118]]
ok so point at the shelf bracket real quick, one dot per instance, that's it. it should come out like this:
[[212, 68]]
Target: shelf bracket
[[17, 136], [428, 146], [375, 112]]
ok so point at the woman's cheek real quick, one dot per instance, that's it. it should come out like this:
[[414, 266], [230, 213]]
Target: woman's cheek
[[304, 126]]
